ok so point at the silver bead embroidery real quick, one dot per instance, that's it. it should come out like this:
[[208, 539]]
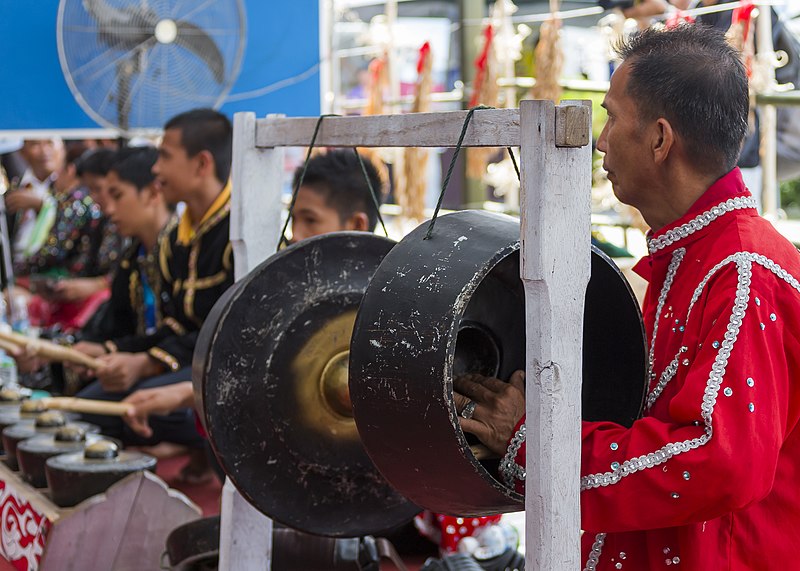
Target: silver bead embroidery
[[618, 566], [686, 475], [773, 317], [763, 327], [666, 550], [750, 382], [744, 269], [510, 471], [699, 222], [728, 391], [751, 407], [675, 495], [597, 550], [685, 362], [715, 344], [615, 465], [614, 446], [758, 301], [623, 555], [676, 560]]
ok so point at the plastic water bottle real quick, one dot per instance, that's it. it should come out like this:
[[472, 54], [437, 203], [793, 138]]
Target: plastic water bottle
[[8, 366], [20, 321]]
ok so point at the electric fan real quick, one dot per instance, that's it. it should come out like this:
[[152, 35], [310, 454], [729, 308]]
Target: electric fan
[[133, 64]]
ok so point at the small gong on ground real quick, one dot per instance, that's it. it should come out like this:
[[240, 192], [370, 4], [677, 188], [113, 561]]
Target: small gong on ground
[[44, 423], [272, 375], [75, 477], [33, 452], [454, 304]]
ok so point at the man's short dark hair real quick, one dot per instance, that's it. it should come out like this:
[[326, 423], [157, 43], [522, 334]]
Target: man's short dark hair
[[206, 130], [134, 165], [693, 78], [337, 176], [96, 162]]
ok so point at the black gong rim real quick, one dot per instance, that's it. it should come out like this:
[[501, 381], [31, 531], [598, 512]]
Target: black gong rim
[[406, 339]]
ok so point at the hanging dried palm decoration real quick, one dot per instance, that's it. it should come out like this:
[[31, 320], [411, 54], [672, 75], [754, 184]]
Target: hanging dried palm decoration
[[484, 92], [549, 58], [410, 180], [377, 87]]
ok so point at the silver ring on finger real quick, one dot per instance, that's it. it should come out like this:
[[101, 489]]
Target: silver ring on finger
[[468, 410]]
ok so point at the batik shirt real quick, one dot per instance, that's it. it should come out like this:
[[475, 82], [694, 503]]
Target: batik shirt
[[196, 265]]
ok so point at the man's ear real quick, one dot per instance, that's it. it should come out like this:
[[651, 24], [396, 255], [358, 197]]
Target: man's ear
[[358, 222], [663, 141], [205, 164]]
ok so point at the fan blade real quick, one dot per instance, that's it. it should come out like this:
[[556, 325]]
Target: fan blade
[[121, 28], [197, 41]]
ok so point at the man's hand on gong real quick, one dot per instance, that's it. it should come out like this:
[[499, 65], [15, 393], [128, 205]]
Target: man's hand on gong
[[490, 408]]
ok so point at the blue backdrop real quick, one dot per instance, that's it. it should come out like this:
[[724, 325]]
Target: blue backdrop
[[282, 44]]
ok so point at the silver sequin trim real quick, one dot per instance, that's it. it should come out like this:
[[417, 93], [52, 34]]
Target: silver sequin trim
[[597, 550], [699, 222], [744, 266], [510, 471], [677, 258], [668, 374]]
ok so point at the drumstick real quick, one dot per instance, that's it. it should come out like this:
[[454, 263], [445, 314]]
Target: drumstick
[[50, 350], [88, 406], [8, 346]]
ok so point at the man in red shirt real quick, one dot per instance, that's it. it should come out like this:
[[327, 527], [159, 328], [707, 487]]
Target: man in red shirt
[[707, 478]]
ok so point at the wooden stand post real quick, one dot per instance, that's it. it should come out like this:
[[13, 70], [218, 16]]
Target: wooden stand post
[[257, 173], [555, 214]]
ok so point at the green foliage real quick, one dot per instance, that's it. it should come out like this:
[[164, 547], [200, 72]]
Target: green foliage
[[790, 198]]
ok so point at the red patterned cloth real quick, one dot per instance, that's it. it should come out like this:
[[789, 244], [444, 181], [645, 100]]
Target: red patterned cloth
[[447, 530]]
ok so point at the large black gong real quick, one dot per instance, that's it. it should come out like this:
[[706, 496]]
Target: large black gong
[[271, 369], [455, 304]]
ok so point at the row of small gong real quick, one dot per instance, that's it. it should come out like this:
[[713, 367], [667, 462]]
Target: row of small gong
[[325, 377], [52, 450]]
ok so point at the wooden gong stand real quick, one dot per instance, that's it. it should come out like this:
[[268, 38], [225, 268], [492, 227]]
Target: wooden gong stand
[[555, 194]]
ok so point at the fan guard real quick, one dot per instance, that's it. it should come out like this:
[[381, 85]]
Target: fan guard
[[133, 64]]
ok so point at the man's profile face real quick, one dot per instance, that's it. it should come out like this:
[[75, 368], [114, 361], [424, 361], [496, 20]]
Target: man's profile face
[[174, 170], [623, 142], [312, 216], [126, 205]]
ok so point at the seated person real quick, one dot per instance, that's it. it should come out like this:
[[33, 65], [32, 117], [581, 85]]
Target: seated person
[[25, 197], [71, 250], [195, 260], [137, 208]]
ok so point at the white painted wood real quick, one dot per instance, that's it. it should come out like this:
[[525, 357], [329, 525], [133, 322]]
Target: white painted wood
[[768, 125], [555, 215], [487, 128], [256, 176]]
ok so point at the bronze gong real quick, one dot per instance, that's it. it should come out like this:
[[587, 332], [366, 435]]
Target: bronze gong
[[270, 368], [454, 304]]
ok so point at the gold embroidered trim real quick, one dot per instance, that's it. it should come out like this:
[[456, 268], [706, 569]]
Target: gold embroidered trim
[[162, 356], [176, 327]]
